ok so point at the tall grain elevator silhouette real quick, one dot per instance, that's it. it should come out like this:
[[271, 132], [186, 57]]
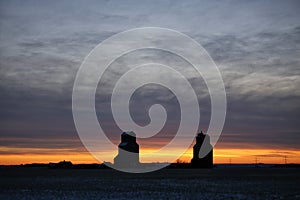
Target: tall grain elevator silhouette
[[202, 140], [128, 151]]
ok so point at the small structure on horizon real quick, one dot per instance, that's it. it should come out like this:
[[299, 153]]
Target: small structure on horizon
[[128, 155], [61, 165], [202, 140]]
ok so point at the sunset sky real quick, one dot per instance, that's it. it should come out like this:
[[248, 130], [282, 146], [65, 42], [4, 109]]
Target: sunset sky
[[255, 44]]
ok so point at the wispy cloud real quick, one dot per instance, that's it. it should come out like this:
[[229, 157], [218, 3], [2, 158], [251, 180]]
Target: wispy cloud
[[255, 44]]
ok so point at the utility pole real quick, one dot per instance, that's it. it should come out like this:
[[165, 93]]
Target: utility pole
[[285, 160], [256, 160]]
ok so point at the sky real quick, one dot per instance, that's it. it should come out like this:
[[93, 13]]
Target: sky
[[255, 44]]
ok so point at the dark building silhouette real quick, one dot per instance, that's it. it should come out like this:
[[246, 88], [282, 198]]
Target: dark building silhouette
[[207, 161], [62, 165], [128, 155]]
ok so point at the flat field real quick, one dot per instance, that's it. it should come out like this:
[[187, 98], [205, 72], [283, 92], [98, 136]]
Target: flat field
[[217, 183]]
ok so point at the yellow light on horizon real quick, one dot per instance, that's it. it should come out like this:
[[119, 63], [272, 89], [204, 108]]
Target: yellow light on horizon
[[221, 155]]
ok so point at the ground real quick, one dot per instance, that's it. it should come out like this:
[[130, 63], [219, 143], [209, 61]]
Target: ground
[[217, 183]]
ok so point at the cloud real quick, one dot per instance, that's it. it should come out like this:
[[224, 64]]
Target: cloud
[[255, 44]]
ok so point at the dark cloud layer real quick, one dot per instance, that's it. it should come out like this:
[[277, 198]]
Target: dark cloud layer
[[255, 44]]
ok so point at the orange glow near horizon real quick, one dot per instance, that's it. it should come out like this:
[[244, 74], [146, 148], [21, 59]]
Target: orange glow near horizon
[[267, 156]]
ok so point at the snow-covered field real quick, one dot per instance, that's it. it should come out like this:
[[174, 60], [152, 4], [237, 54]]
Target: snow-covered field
[[220, 183]]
